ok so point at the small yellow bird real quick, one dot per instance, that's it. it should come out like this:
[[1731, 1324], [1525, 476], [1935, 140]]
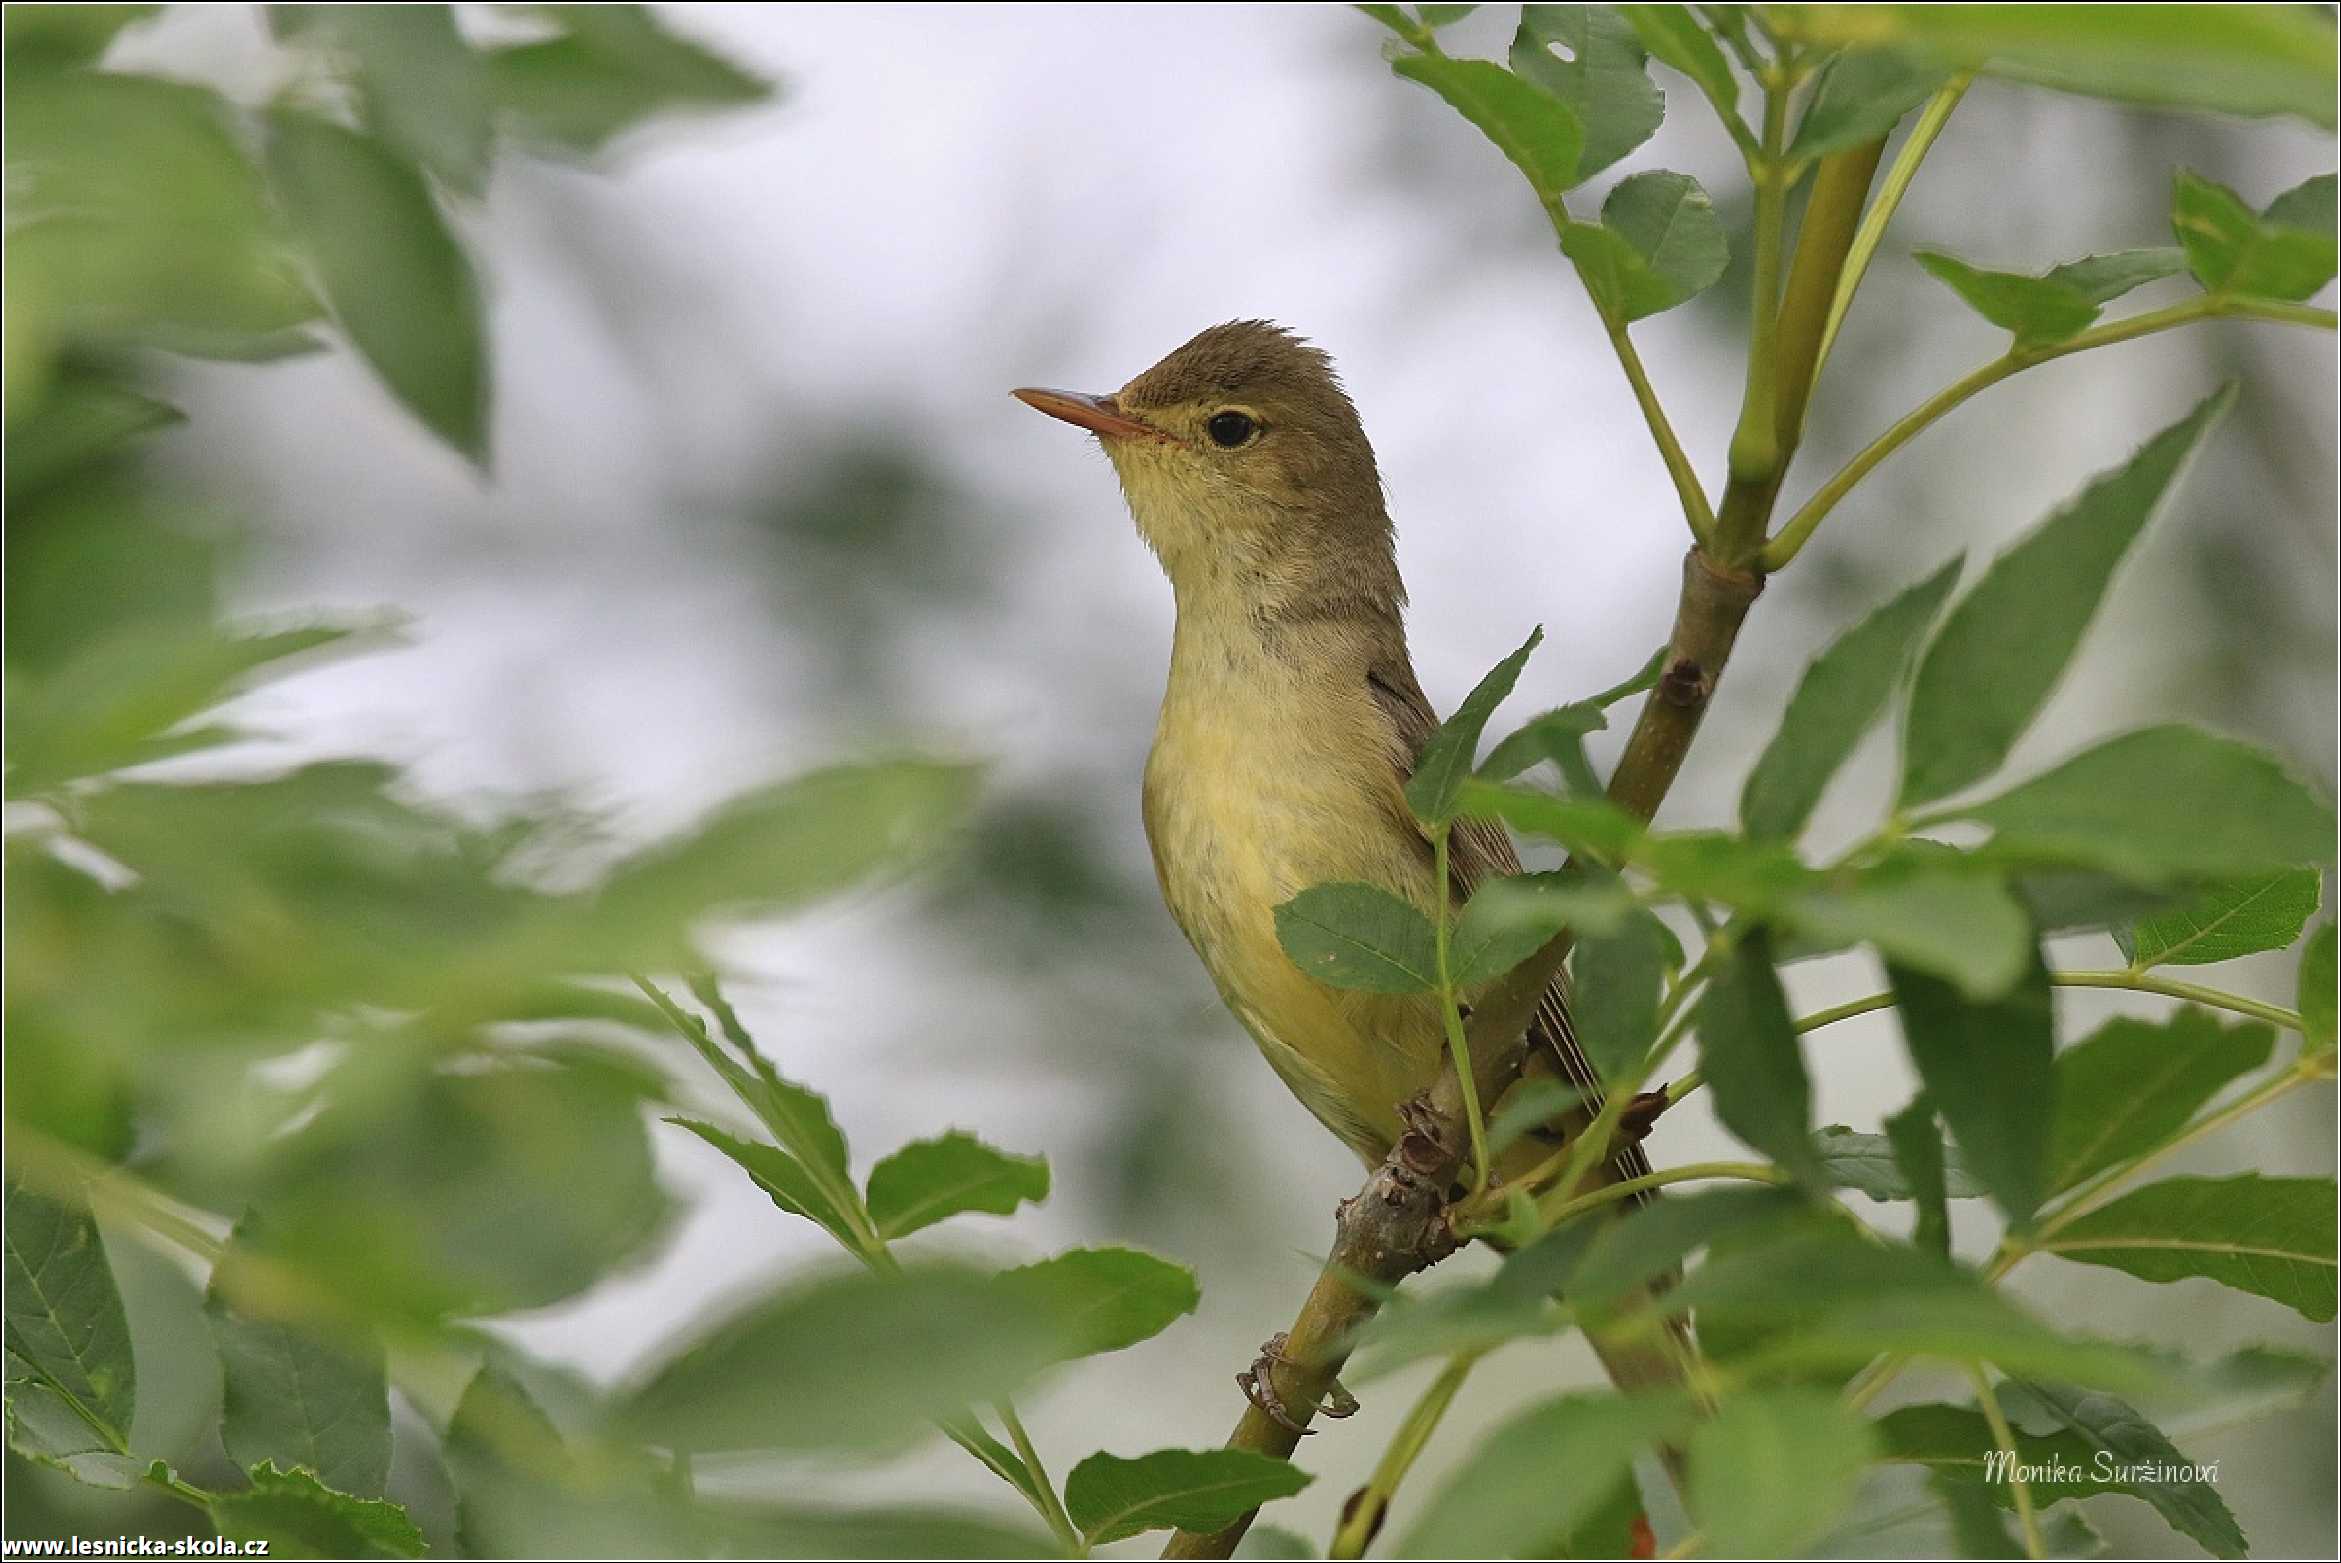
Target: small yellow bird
[[1293, 718]]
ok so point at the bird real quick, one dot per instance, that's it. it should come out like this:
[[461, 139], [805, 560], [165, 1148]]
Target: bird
[[1292, 718]]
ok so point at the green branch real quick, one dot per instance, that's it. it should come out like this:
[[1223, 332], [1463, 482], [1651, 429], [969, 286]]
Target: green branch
[[1915, 147], [2209, 306], [2005, 1438], [1458, 1046], [1362, 1519]]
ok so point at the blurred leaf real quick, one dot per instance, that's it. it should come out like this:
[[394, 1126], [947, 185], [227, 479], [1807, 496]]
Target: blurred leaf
[[1097, 1300], [1869, 1163], [1840, 695], [1673, 35], [2005, 645], [2162, 804], [1274, 1541], [1651, 1243], [1861, 97], [1537, 131], [1774, 1469], [1446, 760], [1615, 1004], [126, 699], [84, 419], [2131, 1084], [59, 37], [299, 1517], [72, 1381], [398, 281], [931, 1180], [1509, 919], [423, 90], [1599, 73], [379, 1199], [855, 1361], [524, 1491], [781, 846], [1758, 877], [784, 1178], [1359, 936], [2244, 918], [2039, 310], [1432, 1323], [2107, 1425], [2316, 987], [2238, 59], [1826, 1298], [1960, 925], [1659, 244], [2286, 253], [1111, 1498], [1503, 1501], [1990, 1070], [1755, 1066], [614, 67], [296, 1400], [133, 213], [2272, 1237], [1920, 1158]]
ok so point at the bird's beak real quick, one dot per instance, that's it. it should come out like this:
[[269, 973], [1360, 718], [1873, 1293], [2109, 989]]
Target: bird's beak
[[1098, 414]]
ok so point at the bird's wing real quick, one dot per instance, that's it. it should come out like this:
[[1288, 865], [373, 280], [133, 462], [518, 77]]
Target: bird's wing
[[1478, 850]]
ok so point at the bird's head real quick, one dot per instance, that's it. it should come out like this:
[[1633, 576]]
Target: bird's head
[[1244, 464]]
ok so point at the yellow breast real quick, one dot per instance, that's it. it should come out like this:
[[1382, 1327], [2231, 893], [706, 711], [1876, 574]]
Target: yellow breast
[[1270, 773]]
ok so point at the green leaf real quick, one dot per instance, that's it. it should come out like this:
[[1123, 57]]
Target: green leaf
[[2131, 1084], [2039, 310], [1110, 1498], [1445, 762], [1536, 130], [785, 1179], [2103, 278], [1673, 35], [1991, 1071], [1862, 96], [2005, 645], [1651, 1243], [1503, 1501], [795, 1115], [1509, 919], [2108, 1426], [83, 420], [2235, 59], [298, 1517], [1658, 244], [398, 281], [1599, 73], [616, 67], [1616, 1000], [2272, 1237], [2164, 804], [930, 1180], [779, 847], [1774, 1469], [422, 89], [2286, 252], [294, 1399], [2316, 987], [72, 1381], [60, 37], [1840, 695], [1958, 925], [2245, 918], [1557, 735], [1920, 1159], [1956, 1443], [1594, 826], [1099, 1299], [856, 1361], [1869, 1163], [1755, 1067], [1359, 936]]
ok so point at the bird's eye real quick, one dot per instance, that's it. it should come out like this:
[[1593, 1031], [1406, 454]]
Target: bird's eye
[[1230, 429]]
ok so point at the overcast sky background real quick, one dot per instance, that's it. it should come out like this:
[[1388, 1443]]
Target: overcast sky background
[[710, 352]]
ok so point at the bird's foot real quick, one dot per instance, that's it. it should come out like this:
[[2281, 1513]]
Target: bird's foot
[[1258, 1383]]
